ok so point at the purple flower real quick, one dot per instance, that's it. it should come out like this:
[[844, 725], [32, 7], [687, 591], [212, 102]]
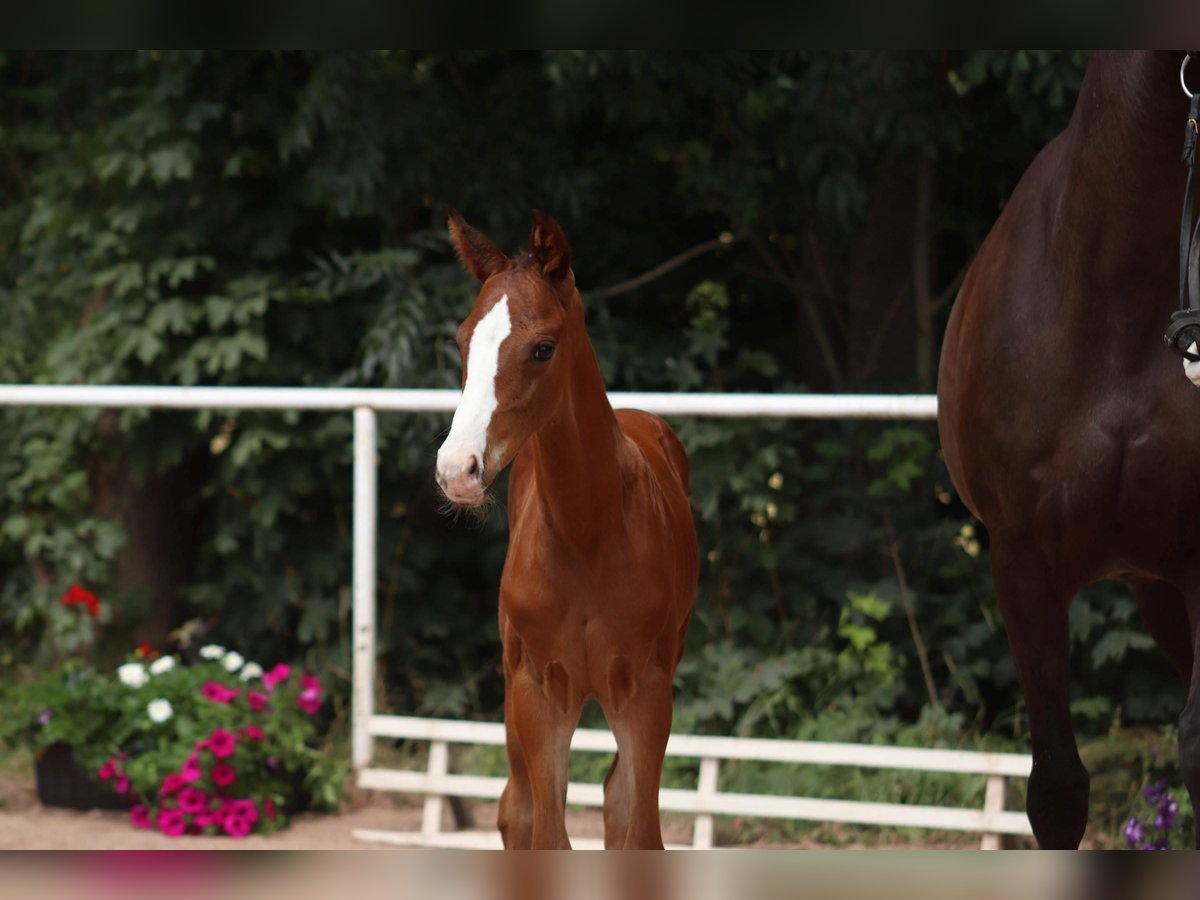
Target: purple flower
[[1168, 809], [1155, 792], [1134, 832], [45, 717]]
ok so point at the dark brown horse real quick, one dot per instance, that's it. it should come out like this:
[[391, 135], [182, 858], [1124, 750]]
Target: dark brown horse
[[1068, 427], [602, 561]]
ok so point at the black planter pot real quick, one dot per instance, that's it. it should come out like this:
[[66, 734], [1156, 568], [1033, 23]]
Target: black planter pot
[[62, 782]]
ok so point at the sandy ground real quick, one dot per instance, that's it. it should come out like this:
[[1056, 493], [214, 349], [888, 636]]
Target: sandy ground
[[27, 825]]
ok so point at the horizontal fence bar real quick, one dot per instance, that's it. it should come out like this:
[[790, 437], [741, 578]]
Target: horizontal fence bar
[[727, 804], [790, 406], [967, 762]]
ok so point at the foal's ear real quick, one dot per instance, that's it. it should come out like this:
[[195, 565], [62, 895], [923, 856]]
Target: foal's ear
[[548, 246], [478, 255]]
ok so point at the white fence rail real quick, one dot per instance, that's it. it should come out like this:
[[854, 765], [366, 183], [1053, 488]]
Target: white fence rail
[[706, 800]]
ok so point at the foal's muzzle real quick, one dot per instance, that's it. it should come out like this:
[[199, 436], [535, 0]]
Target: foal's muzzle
[[460, 476]]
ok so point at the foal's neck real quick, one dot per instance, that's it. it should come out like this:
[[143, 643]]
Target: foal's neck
[[576, 455]]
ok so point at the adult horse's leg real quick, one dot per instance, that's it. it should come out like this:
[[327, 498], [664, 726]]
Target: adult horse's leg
[[1165, 616], [1034, 605], [543, 715], [641, 725]]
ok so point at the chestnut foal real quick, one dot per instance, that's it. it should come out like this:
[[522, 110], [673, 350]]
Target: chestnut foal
[[602, 560]]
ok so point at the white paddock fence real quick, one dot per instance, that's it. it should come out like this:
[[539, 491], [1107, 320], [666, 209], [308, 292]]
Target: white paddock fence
[[436, 783]]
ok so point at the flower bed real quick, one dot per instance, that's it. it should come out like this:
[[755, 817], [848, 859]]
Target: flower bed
[[217, 747]]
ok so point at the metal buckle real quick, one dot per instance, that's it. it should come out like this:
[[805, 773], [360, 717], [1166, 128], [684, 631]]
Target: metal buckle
[[1183, 332]]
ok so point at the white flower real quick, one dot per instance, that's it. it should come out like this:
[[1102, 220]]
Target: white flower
[[232, 661], [212, 651], [132, 674], [251, 670], [159, 710], [162, 664]]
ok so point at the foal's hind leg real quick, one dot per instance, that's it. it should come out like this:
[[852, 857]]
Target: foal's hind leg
[[1035, 608]]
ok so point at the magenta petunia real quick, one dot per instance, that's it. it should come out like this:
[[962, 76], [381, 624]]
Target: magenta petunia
[[193, 801], [223, 775], [218, 693], [309, 700], [107, 771], [258, 700], [310, 681], [190, 770], [171, 822], [121, 785], [222, 743], [172, 783], [236, 826], [280, 673], [139, 817], [244, 809], [254, 733]]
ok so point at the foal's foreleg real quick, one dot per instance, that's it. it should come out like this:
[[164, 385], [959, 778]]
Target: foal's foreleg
[[515, 817], [641, 726], [543, 713]]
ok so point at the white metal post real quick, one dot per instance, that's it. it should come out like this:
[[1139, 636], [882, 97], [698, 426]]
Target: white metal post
[[365, 502]]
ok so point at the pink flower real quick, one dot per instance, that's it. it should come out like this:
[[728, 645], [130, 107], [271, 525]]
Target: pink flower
[[254, 733], [310, 681], [193, 801], [244, 809], [107, 771], [223, 775], [171, 822], [139, 817], [218, 693], [236, 826], [257, 700], [190, 770], [280, 673], [309, 700], [203, 819], [172, 783], [222, 743], [121, 785]]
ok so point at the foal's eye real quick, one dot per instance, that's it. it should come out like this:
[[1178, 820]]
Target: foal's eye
[[542, 352]]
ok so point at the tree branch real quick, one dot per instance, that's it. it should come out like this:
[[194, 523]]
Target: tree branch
[[909, 612], [725, 239]]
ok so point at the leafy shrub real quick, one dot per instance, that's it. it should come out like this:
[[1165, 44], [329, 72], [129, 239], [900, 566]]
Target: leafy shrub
[[219, 746]]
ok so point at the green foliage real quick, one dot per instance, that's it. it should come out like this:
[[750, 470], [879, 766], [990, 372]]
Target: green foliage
[[276, 219]]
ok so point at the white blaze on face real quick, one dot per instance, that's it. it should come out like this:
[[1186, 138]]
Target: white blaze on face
[[468, 431], [1192, 369]]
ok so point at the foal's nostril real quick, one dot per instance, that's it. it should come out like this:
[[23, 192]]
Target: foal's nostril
[[473, 466]]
